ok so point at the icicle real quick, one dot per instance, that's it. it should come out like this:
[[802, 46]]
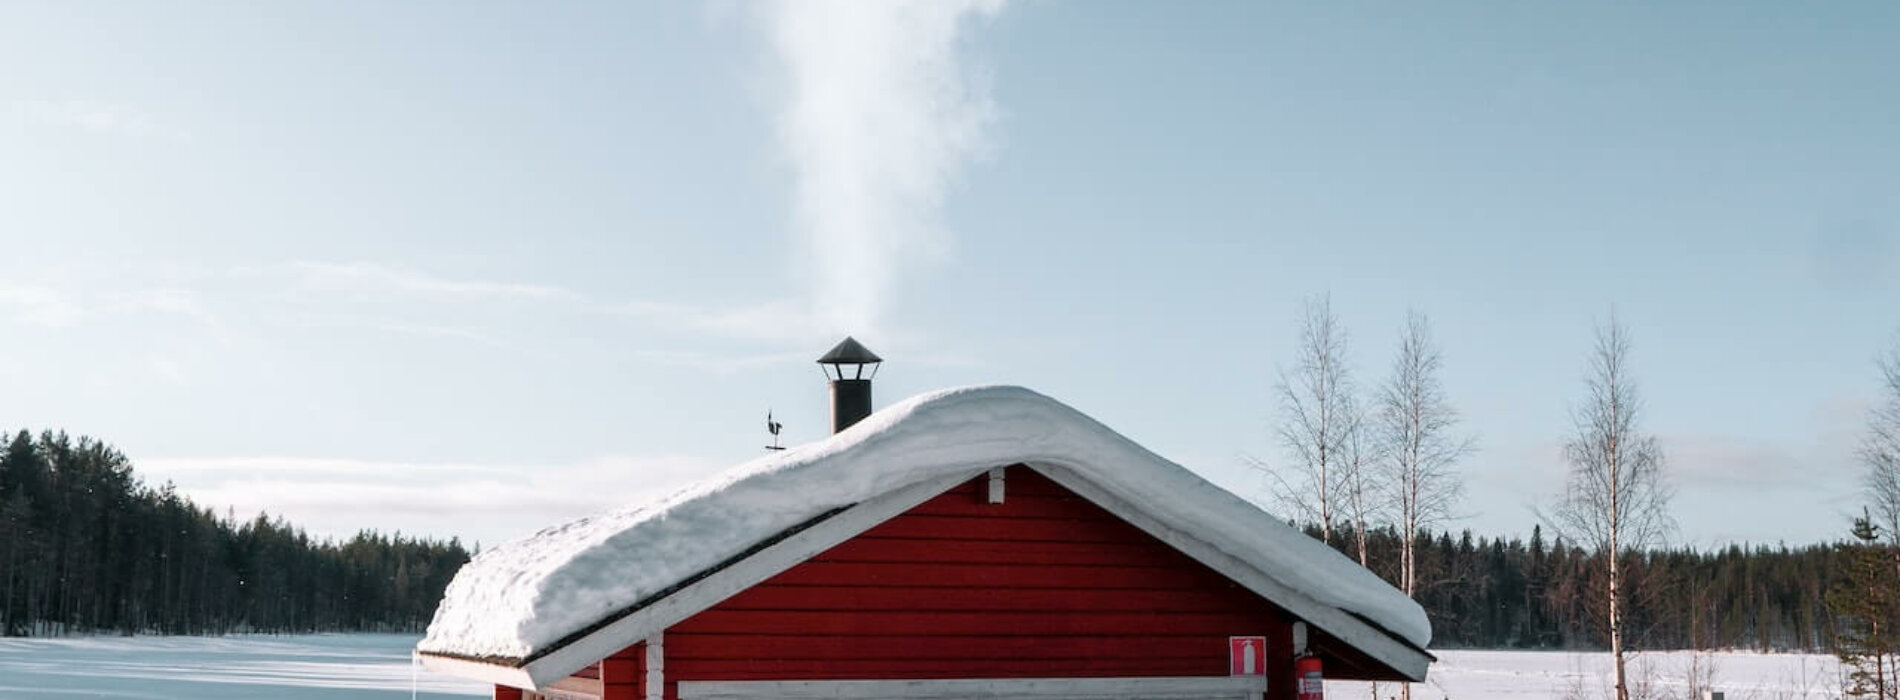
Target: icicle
[[415, 664]]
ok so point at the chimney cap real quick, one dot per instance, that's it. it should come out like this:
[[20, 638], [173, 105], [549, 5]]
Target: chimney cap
[[850, 352]]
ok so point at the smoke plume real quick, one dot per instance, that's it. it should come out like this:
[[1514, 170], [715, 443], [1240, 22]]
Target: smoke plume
[[880, 114]]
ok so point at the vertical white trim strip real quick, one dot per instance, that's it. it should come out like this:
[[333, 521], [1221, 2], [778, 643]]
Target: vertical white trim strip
[[996, 485], [656, 666]]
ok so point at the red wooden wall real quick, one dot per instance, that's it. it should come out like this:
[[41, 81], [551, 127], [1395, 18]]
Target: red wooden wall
[[1045, 584], [622, 676]]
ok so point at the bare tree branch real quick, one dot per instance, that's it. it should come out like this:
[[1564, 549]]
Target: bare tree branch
[[1880, 448]]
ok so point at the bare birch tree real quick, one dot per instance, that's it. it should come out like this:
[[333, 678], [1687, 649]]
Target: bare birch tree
[[1615, 499], [1313, 419], [1415, 423], [1360, 483], [1359, 487], [1880, 449]]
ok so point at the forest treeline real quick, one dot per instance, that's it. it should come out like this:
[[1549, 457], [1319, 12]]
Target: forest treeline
[[1517, 594], [86, 546]]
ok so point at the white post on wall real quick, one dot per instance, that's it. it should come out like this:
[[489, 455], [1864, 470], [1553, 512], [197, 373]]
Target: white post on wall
[[656, 666]]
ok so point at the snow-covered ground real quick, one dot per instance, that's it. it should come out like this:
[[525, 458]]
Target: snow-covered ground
[[1516, 675], [295, 667], [361, 666]]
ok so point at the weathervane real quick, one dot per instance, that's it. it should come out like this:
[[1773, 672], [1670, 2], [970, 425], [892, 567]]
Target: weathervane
[[772, 426]]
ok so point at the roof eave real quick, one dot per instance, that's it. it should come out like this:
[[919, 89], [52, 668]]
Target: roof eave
[[485, 671]]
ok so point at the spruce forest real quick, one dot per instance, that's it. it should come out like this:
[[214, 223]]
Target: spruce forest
[[1513, 594], [86, 547]]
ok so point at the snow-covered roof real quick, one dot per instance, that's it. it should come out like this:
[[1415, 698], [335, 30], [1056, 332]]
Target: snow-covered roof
[[518, 600]]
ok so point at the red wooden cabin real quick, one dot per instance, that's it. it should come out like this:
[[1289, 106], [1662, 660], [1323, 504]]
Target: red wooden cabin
[[1038, 576]]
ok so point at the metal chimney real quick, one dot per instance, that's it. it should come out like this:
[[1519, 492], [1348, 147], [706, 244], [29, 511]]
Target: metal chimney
[[850, 387]]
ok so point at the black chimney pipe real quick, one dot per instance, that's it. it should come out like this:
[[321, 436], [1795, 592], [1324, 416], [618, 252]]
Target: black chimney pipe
[[850, 403], [850, 387]]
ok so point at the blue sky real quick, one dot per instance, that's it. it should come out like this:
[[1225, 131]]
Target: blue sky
[[472, 268]]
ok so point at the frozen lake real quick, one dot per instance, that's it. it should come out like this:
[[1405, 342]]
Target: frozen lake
[[361, 666], [1520, 675], [293, 667]]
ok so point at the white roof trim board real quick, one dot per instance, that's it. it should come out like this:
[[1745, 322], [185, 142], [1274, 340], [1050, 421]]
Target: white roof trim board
[[1168, 688], [549, 599]]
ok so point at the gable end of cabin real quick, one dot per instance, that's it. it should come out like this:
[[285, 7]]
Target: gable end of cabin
[[1006, 575]]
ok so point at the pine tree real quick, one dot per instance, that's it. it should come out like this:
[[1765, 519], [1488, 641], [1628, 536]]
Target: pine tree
[[1866, 605]]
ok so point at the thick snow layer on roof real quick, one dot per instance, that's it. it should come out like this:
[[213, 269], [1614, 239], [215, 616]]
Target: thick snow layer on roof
[[521, 597]]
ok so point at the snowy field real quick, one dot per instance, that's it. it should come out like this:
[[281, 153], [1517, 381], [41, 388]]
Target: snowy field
[[361, 666], [1519, 675], [297, 667]]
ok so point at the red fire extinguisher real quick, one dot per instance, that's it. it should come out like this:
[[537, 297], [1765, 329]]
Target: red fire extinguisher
[[1312, 682]]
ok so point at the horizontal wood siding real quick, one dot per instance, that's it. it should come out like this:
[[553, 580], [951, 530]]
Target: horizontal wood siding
[[1045, 584], [623, 675]]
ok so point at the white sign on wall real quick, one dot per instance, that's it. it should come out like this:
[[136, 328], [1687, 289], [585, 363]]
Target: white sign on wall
[[1247, 656]]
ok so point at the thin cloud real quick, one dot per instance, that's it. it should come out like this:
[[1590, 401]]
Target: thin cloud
[[335, 497], [42, 306], [165, 300], [363, 275], [1728, 462], [1728, 489], [169, 301], [775, 322], [711, 363], [54, 307], [107, 118], [1692, 462], [168, 370], [250, 467], [448, 332]]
